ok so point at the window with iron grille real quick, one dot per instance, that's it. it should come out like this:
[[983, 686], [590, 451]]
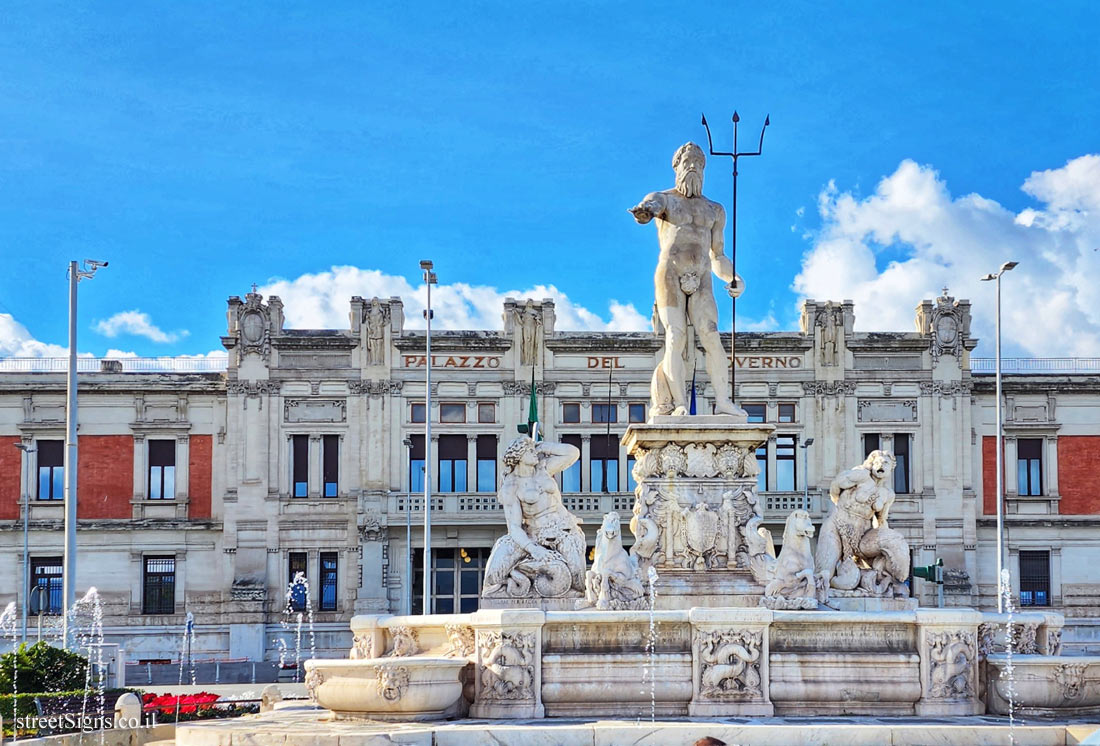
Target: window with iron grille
[[162, 469], [330, 465], [1029, 466], [47, 574], [159, 596], [328, 581], [51, 469], [1034, 578], [299, 462], [297, 598]]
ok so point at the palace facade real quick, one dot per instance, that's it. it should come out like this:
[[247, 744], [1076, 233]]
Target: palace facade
[[208, 492]]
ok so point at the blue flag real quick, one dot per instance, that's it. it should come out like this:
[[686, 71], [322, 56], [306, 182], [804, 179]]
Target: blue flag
[[692, 409]]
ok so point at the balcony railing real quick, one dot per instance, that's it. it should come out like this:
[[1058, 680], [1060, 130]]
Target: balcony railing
[[114, 365], [588, 505], [988, 365]]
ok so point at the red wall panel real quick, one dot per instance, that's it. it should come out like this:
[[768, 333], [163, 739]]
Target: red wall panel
[[1078, 474], [10, 466], [199, 480], [105, 480]]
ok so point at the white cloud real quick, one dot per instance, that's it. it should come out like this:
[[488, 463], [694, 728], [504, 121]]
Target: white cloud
[[936, 240], [320, 301], [16, 341], [137, 323]]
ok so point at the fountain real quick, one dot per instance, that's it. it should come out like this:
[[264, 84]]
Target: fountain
[[744, 633]]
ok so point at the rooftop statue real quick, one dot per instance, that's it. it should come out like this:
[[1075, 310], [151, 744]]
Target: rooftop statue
[[542, 555], [689, 230]]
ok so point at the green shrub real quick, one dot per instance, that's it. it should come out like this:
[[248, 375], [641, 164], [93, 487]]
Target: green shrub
[[42, 668], [24, 703]]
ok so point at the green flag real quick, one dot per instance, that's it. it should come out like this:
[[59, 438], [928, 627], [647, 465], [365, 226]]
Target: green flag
[[532, 412]]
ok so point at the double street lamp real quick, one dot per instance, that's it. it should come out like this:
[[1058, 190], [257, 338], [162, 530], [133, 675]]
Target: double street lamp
[[996, 277], [429, 280], [806, 471], [26, 451]]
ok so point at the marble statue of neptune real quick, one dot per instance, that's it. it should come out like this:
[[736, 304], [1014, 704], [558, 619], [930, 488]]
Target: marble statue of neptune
[[689, 229], [542, 555]]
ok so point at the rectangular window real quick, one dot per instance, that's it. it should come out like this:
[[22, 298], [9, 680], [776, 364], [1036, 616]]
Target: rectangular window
[[328, 582], [637, 412], [486, 463], [785, 448], [487, 412], [762, 465], [159, 596], [51, 469], [452, 463], [901, 470], [786, 412], [416, 464], [330, 465], [457, 576], [757, 411], [297, 597], [870, 443], [162, 469], [571, 477], [604, 412], [46, 574], [631, 484], [452, 412], [299, 459], [604, 463], [1029, 465], [416, 411], [1034, 578], [571, 413]]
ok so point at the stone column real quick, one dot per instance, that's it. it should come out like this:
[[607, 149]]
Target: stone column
[[314, 478], [508, 668], [183, 464], [586, 463], [948, 647], [139, 466], [1012, 485], [729, 662]]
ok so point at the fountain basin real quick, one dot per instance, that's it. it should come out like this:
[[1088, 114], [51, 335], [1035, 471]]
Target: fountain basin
[[1045, 685], [414, 688]]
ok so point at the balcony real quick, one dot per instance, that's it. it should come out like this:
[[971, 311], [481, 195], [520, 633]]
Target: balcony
[[474, 507]]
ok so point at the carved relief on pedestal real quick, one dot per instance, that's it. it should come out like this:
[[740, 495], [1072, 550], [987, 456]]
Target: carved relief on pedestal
[[696, 460], [507, 670], [1054, 642], [951, 664], [460, 640], [729, 664], [360, 647], [406, 641], [392, 682]]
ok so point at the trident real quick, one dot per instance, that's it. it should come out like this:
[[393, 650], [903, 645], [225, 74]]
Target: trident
[[733, 231]]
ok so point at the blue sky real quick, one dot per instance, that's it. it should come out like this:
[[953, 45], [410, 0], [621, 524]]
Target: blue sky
[[201, 148]]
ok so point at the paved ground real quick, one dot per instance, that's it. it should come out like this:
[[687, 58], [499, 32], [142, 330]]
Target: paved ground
[[303, 725]]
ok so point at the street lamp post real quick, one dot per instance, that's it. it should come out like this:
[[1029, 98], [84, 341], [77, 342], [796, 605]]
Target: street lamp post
[[76, 274], [806, 471], [429, 280], [26, 451], [1000, 436], [407, 442]]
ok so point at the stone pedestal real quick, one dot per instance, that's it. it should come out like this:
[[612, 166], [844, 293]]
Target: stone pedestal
[[948, 644], [508, 672], [730, 663], [695, 503]]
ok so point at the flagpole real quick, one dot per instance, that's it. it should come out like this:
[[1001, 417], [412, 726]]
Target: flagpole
[[607, 453]]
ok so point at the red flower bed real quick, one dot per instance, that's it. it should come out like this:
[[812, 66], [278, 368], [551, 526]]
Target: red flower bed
[[187, 703]]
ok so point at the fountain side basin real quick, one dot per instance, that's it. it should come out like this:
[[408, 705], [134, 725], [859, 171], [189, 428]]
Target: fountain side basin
[[394, 689], [1044, 685]]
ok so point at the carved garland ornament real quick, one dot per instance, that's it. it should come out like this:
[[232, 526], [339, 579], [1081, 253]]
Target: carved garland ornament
[[951, 659], [730, 664], [696, 460], [507, 666], [829, 388], [460, 640], [517, 388], [253, 388]]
